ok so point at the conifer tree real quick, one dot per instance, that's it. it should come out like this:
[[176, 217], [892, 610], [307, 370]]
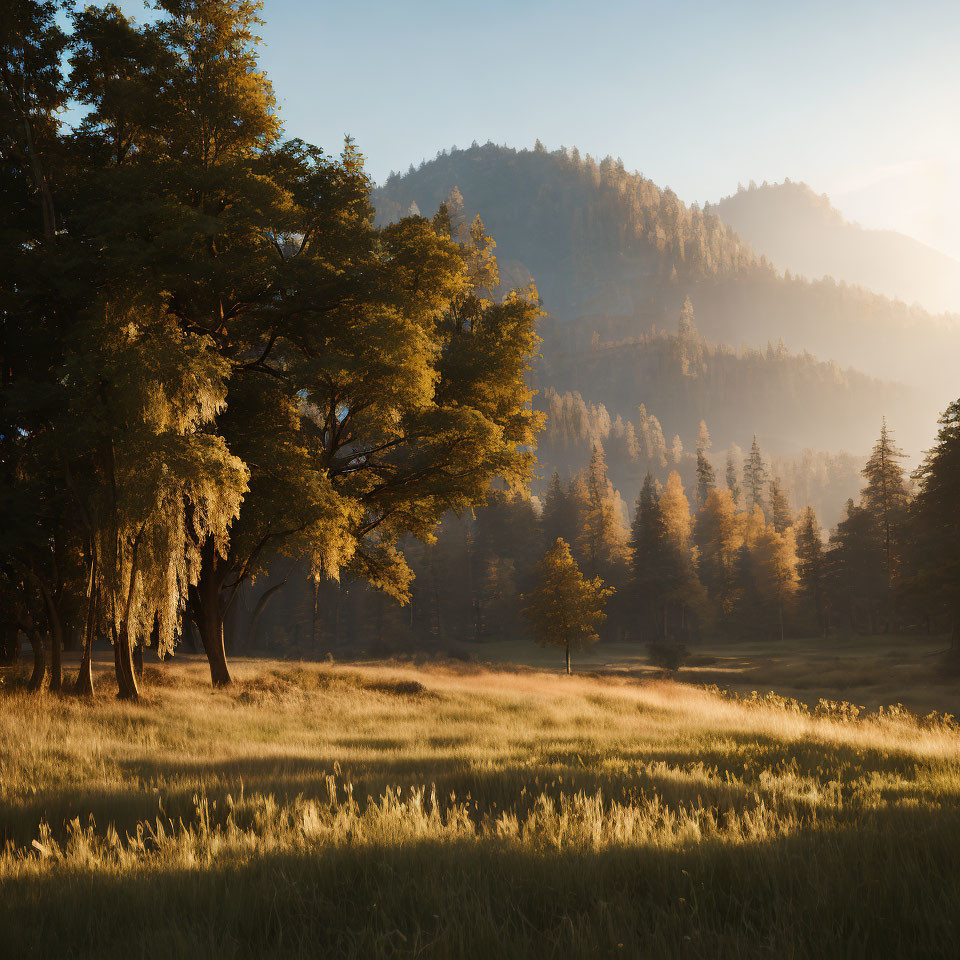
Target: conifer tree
[[856, 569], [754, 478], [558, 518], [719, 535], [733, 483], [601, 539], [703, 437], [705, 478], [811, 567], [650, 557], [565, 609], [683, 591], [780, 512], [885, 496], [936, 522]]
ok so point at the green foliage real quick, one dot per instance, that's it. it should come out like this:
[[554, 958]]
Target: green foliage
[[565, 608], [935, 525], [780, 513], [754, 478], [216, 348]]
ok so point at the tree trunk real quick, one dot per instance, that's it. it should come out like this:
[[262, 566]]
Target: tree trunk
[[206, 603], [780, 612], [39, 661], [568, 659], [127, 686], [210, 627], [84, 685], [265, 599], [138, 661]]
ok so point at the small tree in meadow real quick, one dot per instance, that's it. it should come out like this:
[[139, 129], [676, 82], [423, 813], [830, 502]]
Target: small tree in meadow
[[565, 609]]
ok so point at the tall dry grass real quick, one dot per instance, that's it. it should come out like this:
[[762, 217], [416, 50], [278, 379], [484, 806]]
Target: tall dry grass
[[453, 811]]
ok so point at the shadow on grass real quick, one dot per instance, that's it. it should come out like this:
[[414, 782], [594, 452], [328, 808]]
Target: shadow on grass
[[732, 776], [887, 886]]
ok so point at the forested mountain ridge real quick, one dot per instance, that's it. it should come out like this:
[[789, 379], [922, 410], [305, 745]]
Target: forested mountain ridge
[[614, 255], [792, 401], [802, 231]]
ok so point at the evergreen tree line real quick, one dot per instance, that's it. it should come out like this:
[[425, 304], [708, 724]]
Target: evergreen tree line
[[683, 378], [633, 448], [726, 555], [212, 362]]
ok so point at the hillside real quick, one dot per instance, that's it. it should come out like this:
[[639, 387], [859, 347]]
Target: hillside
[[615, 256], [798, 230]]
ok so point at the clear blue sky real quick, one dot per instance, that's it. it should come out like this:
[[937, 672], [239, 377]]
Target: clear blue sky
[[859, 99]]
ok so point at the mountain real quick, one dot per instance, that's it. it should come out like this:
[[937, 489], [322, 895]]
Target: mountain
[[798, 230], [615, 257]]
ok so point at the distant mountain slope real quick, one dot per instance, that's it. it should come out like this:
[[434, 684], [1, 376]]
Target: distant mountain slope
[[798, 230], [614, 257], [792, 401]]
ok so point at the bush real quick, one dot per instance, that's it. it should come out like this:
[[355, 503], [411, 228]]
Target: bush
[[667, 656]]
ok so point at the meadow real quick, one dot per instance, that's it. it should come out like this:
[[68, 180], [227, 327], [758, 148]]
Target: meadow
[[444, 809]]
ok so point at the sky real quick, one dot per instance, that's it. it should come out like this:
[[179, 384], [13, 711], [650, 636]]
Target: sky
[[859, 99]]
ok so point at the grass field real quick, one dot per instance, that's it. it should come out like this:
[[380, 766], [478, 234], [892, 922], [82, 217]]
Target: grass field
[[464, 810]]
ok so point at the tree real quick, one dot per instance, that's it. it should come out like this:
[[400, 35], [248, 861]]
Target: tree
[[650, 556], [560, 514], [705, 478], [811, 566], [719, 535], [754, 478], [372, 381], [32, 93], [683, 589], [602, 538], [885, 496], [775, 570], [781, 514], [703, 437], [732, 477], [856, 569], [565, 609], [935, 520]]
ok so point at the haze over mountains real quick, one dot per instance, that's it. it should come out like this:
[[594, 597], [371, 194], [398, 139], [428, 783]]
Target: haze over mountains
[[815, 363], [799, 230]]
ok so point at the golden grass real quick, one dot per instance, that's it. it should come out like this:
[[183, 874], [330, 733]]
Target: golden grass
[[451, 810]]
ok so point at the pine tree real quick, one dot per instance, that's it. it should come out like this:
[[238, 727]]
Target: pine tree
[[719, 535], [885, 496], [780, 511], [558, 518], [601, 539], [703, 437], [857, 574], [754, 478], [811, 566], [733, 484], [650, 557], [565, 609], [936, 523], [682, 589], [705, 478]]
